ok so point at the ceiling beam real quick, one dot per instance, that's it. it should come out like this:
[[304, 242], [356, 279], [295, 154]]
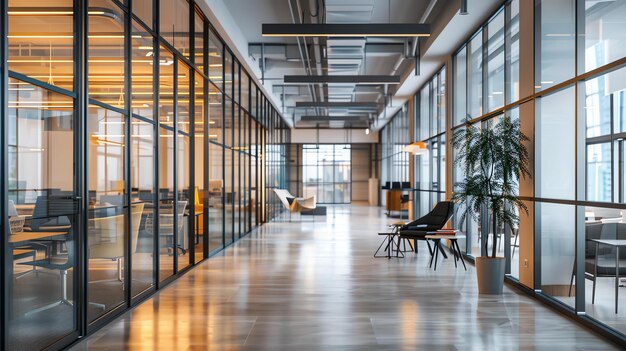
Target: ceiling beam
[[345, 30], [346, 79]]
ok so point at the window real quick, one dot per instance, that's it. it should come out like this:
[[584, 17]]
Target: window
[[495, 62], [557, 42], [475, 76], [555, 142], [605, 40], [326, 172]]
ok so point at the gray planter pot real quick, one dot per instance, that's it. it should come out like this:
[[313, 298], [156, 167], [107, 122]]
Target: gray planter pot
[[490, 273]]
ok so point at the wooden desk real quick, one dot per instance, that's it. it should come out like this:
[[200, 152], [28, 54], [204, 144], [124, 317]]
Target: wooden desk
[[22, 237]]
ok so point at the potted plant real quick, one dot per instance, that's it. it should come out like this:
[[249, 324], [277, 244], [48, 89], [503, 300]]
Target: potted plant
[[494, 158]]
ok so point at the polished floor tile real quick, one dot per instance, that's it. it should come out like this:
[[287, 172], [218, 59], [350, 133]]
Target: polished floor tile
[[314, 285]]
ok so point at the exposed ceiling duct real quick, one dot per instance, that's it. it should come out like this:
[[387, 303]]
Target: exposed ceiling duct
[[323, 58]]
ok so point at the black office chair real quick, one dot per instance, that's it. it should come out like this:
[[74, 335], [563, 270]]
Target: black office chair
[[434, 220]]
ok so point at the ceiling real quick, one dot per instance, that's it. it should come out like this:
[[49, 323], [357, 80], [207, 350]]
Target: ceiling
[[280, 56]]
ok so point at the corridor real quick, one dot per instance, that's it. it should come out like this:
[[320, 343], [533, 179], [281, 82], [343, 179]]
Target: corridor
[[314, 285]]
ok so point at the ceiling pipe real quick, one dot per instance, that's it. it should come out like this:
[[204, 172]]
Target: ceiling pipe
[[306, 63], [463, 9], [423, 19]]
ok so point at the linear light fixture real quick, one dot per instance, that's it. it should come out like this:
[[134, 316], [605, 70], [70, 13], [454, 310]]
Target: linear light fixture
[[346, 79], [337, 104], [346, 30], [330, 118]]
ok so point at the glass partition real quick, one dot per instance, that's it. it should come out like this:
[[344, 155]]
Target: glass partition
[[40, 280], [106, 53], [50, 54], [174, 24], [107, 215], [168, 218], [142, 79], [201, 163], [183, 211], [216, 196], [126, 181], [143, 199]]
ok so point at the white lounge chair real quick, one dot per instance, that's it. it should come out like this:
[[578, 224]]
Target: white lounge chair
[[295, 204]]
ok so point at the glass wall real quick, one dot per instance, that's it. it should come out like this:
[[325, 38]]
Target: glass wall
[[571, 102], [486, 77], [429, 125], [575, 121], [586, 113], [394, 163], [327, 172], [120, 158]]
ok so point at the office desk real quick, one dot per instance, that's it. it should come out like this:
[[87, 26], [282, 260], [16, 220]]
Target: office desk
[[23, 237], [617, 244]]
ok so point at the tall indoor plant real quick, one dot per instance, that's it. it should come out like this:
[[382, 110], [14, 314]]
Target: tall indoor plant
[[494, 159]]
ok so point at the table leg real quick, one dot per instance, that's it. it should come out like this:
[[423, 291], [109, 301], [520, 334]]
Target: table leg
[[456, 243], [432, 256], [389, 241], [437, 248], [454, 252]]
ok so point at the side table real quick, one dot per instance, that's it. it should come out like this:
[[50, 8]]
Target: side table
[[454, 245], [390, 244]]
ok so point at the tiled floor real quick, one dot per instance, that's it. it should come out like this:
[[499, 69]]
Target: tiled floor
[[315, 286]]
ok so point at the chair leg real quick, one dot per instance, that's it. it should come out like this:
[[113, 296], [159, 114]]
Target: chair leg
[[593, 293]]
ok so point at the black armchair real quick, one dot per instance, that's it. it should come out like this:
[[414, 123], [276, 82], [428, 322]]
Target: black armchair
[[434, 220]]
